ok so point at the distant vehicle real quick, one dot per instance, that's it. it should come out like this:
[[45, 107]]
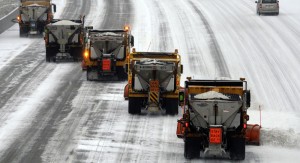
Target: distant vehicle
[[106, 53], [34, 15], [267, 7], [153, 82], [64, 40]]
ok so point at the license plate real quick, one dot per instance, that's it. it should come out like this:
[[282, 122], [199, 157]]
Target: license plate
[[269, 6], [215, 135]]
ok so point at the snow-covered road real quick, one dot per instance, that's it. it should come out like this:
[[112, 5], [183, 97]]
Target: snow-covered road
[[50, 113]]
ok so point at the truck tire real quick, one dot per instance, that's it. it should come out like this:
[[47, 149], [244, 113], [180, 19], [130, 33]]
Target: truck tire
[[91, 74], [134, 105], [192, 148], [48, 54], [76, 53], [237, 148], [23, 32], [171, 106], [122, 75]]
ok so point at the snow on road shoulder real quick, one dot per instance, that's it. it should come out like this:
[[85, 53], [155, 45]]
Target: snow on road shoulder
[[93, 18], [27, 108], [11, 45], [7, 6], [60, 5]]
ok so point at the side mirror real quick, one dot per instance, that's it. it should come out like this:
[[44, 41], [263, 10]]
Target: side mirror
[[15, 20], [181, 69], [54, 7], [255, 1], [248, 98], [126, 68], [131, 40], [181, 98]]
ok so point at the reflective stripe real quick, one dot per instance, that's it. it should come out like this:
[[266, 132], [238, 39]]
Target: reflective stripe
[[154, 97]]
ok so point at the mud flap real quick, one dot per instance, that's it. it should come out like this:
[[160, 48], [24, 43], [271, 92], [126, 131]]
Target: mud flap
[[192, 147], [237, 148], [91, 74]]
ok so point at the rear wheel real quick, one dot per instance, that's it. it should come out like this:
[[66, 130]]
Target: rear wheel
[[122, 75], [237, 148], [91, 74], [23, 32], [76, 53], [192, 148], [48, 54], [134, 105], [171, 106]]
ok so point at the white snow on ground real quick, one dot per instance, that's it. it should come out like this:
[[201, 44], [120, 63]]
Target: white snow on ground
[[264, 49], [12, 45], [23, 112], [60, 4], [6, 6]]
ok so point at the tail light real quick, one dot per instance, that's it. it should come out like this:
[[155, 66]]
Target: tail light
[[245, 126], [187, 124]]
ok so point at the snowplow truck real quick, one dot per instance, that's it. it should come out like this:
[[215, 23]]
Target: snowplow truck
[[153, 82], [214, 122], [64, 40], [34, 15], [106, 53]]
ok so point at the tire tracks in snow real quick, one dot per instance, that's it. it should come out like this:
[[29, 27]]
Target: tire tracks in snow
[[165, 40], [214, 47], [118, 14], [31, 143]]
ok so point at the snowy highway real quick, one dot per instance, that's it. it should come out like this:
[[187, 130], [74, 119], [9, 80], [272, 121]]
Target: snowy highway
[[49, 112]]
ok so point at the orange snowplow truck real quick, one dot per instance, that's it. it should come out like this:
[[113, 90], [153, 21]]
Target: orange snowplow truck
[[34, 15], [106, 52], [214, 121], [153, 82]]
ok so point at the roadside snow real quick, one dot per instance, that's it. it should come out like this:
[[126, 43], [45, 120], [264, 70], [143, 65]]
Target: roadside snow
[[11, 45], [7, 6]]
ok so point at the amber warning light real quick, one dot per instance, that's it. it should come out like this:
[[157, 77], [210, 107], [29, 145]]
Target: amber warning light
[[126, 28], [86, 54]]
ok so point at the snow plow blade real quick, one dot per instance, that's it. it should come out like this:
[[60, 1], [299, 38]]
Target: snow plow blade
[[253, 134], [126, 92]]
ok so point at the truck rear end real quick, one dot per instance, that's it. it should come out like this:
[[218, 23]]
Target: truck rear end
[[153, 82], [34, 15], [215, 118], [106, 53], [64, 40]]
